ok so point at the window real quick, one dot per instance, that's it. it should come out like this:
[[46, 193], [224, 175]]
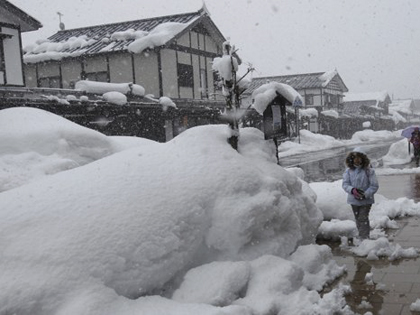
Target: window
[[203, 83], [101, 76], [1, 55], [333, 98], [49, 82], [2, 77], [309, 99], [185, 75]]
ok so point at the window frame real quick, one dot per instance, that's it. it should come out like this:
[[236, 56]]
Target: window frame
[[99, 76], [185, 75], [49, 82], [309, 99]]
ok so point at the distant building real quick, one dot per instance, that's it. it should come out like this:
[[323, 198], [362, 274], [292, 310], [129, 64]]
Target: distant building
[[13, 21], [169, 56], [407, 109], [374, 103], [321, 90]]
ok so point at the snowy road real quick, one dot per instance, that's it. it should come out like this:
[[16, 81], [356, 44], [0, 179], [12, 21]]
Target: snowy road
[[328, 165]]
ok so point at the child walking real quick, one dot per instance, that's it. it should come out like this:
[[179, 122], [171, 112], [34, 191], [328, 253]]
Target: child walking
[[361, 184]]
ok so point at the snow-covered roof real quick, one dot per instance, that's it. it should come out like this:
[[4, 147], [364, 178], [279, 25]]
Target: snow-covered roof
[[330, 113], [134, 36], [402, 106], [104, 87], [327, 77], [303, 81], [308, 112], [396, 117], [266, 93]]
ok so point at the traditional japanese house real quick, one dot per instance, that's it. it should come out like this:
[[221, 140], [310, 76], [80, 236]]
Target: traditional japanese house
[[169, 56], [322, 90], [13, 21]]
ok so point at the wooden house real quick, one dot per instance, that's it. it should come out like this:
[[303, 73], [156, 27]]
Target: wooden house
[[169, 56], [321, 90], [374, 103], [13, 21]]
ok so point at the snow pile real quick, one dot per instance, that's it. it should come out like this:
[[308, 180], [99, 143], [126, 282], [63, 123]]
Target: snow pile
[[374, 249], [266, 93], [332, 201], [366, 124], [226, 67], [184, 227], [308, 112], [398, 153], [158, 36], [308, 142], [39, 143], [270, 282], [127, 35], [104, 87], [44, 50], [370, 135], [336, 229], [415, 307], [133, 223], [396, 116], [328, 76], [330, 113], [70, 44], [341, 221], [56, 99], [166, 102], [116, 98]]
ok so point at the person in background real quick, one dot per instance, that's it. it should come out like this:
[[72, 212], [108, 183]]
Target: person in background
[[361, 184], [415, 140]]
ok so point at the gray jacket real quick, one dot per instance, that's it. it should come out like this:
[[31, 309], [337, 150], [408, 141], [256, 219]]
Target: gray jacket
[[361, 178]]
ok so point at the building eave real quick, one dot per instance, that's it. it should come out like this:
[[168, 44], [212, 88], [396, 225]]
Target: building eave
[[26, 22]]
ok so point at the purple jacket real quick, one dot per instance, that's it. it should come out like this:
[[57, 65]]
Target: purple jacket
[[415, 139]]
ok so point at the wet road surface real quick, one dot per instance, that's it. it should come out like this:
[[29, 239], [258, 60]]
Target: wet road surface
[[391, 286], [328, 165]]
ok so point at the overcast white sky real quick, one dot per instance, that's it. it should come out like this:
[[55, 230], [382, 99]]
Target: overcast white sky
[[373, 44]]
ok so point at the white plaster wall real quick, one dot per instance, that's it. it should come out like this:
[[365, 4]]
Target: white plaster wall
[[30, 76], [49, 69], [120, 68], [70, 71], [96, 64], [169, 73], [12, 57], [147, 75]]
